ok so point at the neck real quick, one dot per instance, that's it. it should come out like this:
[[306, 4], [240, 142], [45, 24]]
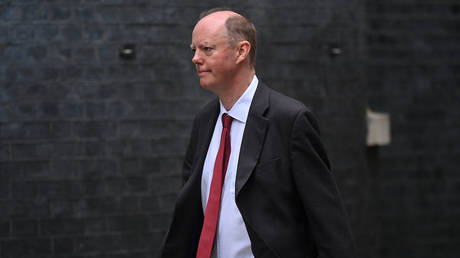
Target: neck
[[236, 89]]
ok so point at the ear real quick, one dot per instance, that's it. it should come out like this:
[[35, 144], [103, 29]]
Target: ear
[[243, 49]]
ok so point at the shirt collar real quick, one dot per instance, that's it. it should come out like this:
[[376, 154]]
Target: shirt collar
[[240, 110]]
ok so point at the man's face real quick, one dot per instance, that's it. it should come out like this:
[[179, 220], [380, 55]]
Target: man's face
[[214, 59]]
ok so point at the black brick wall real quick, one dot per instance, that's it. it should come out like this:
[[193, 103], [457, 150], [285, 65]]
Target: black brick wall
[[413, 70], [91, 145]]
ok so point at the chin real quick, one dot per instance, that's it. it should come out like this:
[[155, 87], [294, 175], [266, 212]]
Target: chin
[[205, 84]]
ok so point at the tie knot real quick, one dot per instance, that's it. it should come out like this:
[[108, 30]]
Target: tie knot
[[226, 120]]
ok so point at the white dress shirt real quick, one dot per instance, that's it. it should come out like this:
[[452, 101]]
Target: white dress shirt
[[232, 239]]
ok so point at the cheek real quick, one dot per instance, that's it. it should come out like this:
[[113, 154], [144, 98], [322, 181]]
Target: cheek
[[222, 65]]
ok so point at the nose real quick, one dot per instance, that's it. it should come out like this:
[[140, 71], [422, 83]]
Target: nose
[[196, 58]]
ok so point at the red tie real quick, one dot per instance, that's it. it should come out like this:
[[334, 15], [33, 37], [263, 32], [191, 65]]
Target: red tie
[[211, 216]]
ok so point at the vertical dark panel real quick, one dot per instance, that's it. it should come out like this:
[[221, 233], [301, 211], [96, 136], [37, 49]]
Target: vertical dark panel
[[413, 74]]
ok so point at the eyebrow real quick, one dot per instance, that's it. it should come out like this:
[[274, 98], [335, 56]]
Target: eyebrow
[[202, 44]]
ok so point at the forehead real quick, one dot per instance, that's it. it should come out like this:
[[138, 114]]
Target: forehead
[[210, 28]]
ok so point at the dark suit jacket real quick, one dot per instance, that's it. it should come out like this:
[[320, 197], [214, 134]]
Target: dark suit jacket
[[284, 188]]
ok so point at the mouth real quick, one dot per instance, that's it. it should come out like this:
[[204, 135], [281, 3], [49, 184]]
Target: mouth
[[201, 73]]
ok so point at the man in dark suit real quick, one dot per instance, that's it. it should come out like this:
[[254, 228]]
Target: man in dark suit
[[257, 177]]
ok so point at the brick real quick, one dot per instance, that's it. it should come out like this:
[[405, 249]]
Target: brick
[[4, 228], [96, 225], [59, 13], [131, 167], [66, 169], [9, 208], [21, 228], [169, 15], [157, 34], [109, 14], [95, 129], [136, 241], [20, 73], [158, 167], [60, 129], [62, 208], [70, 109], [24, 190], [150, 204], [5, 188], [133, 223], [104, 243], [165, 185], [46, 32], [63, 245], [168, 90], [95, 110], [32, 130], [32, 13], [26, 247], [175, 146], [94, 206], [36, 208], [3, 34], [129, 110], [140, 254], [129, 204], [60, 190], [93, 187], [59, 227], [137, 185], [21, 170], [108, 52], [116, 186], [71, 33], [48, 109], [94, 72], [37, 53], [98, 169], [5, 152], [129, 15], [81, 149], [11, 13], [130, 148], [48, 73], [21, 2], [85, 55], [160, 221], [166, 203], [114, 33], [97, 91], [36, 151], [71, 72], [6, 112], [85, 13]]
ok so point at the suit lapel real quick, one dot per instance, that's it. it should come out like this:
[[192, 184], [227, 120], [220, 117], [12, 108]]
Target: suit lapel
[[253, 137], [251, 145]]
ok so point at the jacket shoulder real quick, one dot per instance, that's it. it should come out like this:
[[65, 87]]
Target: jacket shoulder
[[285, 105], [207, 111]]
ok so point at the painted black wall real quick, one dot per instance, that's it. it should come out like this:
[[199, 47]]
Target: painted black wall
[[91, 145]]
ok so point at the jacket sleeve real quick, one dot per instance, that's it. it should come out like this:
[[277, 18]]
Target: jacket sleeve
[[318, 191]]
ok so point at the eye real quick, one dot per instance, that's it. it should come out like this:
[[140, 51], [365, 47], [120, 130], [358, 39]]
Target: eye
[[193, 49]]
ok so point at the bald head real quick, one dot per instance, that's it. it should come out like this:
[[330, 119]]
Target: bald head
[[234, 26]]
